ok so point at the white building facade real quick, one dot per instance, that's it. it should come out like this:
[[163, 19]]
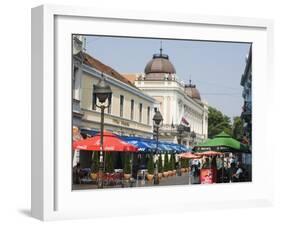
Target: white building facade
[[179, 103], [131, 110], [246, 115]]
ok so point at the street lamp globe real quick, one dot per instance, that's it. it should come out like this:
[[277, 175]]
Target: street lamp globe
[[180, 128], [157, 118], [193, 135], [102, 90]]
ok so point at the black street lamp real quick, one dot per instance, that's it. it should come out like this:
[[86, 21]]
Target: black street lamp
[[180, 130], [193, 136], [102, 92], [157, 118]]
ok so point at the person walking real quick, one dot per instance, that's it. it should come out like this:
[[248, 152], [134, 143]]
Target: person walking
[[236, 177], [77, 173]]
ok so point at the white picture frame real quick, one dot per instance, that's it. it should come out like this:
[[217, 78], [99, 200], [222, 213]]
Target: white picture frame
[[52, 197]]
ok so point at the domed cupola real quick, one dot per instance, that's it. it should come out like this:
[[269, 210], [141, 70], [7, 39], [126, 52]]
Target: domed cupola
[[159, 68], [192, 91]]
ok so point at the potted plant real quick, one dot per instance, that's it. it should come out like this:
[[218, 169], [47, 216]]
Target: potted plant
[[95, 166], [170, 172], [166, 165], [160, 167], [109, 168], [183, 164], [127, 167], [150, 168], [109, 163], [173, 163], [186, 165]]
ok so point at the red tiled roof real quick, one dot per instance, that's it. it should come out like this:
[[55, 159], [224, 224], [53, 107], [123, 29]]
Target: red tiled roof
[[92, 62], [132, 77]]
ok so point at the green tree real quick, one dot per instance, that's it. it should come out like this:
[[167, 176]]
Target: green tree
[[184, 163], [127, 167], [218, 122], [237, 128], [160, 164], [172, 162], [95, 162], [150, 165], [166, 163], [109, 163]]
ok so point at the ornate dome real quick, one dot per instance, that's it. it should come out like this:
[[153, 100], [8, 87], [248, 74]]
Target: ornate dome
[[191, 91], [159, 64], [159, 67]]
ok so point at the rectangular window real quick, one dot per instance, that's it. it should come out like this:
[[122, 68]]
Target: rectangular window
[[148, 115], [132, 109], [94, 102], [140, 113], [121, 105], [110, 104], [109, 109]]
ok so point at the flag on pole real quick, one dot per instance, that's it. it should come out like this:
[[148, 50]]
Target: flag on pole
[[184, 121]]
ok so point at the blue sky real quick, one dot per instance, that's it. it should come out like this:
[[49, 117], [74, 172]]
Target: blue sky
[[214, 67]]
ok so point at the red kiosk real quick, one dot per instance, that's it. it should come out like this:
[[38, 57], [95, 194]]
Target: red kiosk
[[208, 174]]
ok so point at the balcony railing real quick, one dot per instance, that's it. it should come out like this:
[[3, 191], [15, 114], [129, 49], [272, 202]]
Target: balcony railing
[[76, 106], [247, 110]]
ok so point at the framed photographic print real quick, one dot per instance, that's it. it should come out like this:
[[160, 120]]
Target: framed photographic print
[[136, 113]]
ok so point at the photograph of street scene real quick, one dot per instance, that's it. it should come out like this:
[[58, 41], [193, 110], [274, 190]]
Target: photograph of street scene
[[152, 112]]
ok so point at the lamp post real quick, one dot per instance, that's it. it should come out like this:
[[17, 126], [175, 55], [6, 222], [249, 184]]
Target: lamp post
[[102, 92], [193, 136], [180, 130], [157, 118]]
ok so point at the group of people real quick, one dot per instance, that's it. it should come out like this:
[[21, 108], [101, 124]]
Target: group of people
[[78, 173], [227, 169]]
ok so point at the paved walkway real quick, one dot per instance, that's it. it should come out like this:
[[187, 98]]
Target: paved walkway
[[185, 179]]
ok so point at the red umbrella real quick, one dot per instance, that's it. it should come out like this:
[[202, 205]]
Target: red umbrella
[[208, 153], [110, 143], [189, 155]]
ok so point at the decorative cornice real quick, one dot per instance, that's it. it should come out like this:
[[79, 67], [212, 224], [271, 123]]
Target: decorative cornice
[[117, 126], [113, 81], [118, 118]]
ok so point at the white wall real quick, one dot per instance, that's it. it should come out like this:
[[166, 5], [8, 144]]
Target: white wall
[[15, 126]]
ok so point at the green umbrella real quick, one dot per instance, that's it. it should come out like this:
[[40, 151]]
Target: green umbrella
[[223, 142]]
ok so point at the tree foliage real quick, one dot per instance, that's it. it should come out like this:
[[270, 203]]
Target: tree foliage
[[95, 162], [109, 163], [172, 162], [184, 163], [218, 122], [166, 163], [150, 165], [237, 128], [127, 165], [160, 164]]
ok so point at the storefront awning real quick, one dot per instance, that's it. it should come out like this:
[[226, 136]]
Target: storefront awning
[[149, 145]]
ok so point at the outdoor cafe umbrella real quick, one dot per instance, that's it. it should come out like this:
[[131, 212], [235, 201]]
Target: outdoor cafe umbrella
[[208, 153], [189, 155], [142, 146], [223, 143], [184, 148], [110, 143]]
